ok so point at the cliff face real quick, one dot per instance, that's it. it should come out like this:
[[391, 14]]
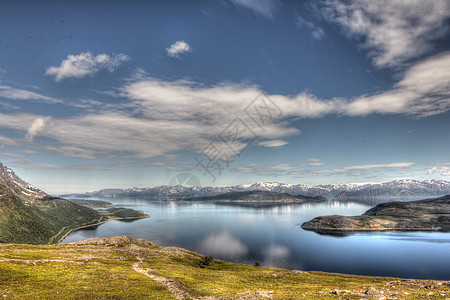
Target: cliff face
[[423, 215]]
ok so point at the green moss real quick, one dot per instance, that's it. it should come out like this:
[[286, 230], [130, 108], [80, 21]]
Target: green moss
[[106, 272], [43, 223]]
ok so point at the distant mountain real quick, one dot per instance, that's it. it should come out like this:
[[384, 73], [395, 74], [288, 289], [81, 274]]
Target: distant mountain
[[29, 215], [261, 196], [400, 188], [415, 188]]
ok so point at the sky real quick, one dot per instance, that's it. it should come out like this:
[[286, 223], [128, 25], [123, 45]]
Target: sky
[[122, 94]]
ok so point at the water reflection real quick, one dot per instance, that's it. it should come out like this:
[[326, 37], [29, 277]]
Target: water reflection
[[272, 236], [275, 255], [224, 245]]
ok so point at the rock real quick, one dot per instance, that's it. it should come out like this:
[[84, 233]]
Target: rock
[[371, 291]]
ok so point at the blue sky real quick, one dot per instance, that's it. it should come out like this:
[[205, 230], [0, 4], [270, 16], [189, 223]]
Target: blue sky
[[98, 94]]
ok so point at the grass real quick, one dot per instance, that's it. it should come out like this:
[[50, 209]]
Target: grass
[[103, 270], [47, 221], [78, 273]]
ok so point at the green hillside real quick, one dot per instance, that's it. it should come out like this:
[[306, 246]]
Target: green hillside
[[130, 268], [45, 221]]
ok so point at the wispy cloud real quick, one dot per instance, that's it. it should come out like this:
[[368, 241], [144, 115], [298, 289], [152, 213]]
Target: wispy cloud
[[178, 48], [29, 165], [273, 143], [424, 90], [393, 31], [444, 171], [366, 167], [314, 162], [316, 32], [163, 117], [20, 94], [11, 154], [263, 8], [86, 64], [282, 167], [6, 141]]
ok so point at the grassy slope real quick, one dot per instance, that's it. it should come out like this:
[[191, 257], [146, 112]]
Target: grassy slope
[[102, 268], [44, 222]]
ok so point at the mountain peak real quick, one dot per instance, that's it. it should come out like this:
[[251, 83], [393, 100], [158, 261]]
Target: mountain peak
[[10, 181]]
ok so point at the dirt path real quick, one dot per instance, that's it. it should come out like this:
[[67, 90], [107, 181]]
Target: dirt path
[[178, 290]]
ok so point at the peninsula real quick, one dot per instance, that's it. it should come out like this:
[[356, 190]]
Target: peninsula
[[423, 215]]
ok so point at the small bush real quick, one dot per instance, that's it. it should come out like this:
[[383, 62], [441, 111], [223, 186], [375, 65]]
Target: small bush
[[205, 261]]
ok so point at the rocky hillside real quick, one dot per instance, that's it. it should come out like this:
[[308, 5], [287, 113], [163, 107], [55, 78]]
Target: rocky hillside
[[28, 215], [130, 268], [25, 191], [422, 215], [400, 188]]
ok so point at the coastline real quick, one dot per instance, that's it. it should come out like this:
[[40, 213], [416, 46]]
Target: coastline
[[96, 224], [78, 228]]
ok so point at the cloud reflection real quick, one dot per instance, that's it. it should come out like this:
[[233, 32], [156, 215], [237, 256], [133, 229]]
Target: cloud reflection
[[275, 254], [223, 245]]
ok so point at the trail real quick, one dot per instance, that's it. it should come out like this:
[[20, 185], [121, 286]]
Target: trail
[[178, 290]]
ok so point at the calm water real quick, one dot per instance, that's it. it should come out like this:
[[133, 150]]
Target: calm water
[[273, 237]]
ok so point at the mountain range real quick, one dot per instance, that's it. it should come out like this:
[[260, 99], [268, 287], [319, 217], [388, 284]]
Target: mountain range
[[398, 188]]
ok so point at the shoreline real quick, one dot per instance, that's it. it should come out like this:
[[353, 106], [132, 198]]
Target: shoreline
[[78, 228], [96, 224]]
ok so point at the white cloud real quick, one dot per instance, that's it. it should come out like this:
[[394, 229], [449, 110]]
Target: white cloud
[[163, 117], [19, 94], [176, 49], [424, 90], [36, 127], [314, 162], [273, 143], [393, 31], [282, 167], [366, 167], [263, 8], [444, 171], [86, 64]]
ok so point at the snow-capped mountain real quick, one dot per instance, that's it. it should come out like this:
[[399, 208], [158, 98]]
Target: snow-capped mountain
[[394, 188], [10, 181]]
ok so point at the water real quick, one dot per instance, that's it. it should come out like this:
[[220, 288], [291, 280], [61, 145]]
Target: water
[[273, 237]]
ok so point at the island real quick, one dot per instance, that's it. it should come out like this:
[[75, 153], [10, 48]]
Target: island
[[423, 215], [257, 198]]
